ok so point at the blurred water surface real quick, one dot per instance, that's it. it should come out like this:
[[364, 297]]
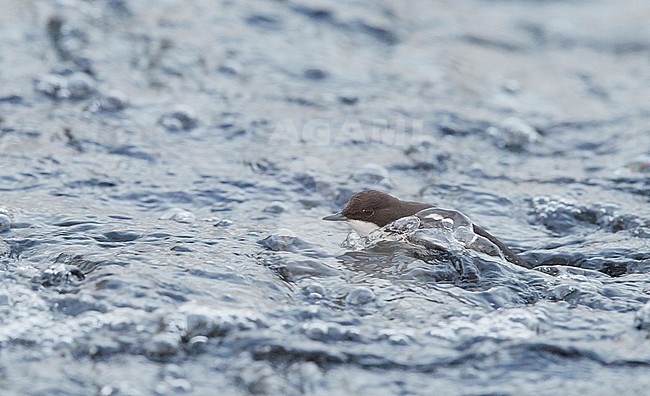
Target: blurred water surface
[[164, 167]]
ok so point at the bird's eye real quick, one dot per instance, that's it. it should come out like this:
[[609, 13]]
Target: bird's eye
[[368, 212]]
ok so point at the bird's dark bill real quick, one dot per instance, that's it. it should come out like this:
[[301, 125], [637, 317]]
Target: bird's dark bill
[[335, 217]]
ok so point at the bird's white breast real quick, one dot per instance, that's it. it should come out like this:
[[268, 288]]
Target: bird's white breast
[[363, 228]]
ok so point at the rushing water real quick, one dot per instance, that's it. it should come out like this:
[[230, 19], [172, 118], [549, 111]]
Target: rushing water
[[164, 167]]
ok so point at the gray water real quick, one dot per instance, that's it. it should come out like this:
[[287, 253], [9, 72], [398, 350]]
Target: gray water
[[164, 167]]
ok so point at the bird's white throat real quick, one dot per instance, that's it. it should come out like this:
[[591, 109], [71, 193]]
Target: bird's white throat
[[362, 228]]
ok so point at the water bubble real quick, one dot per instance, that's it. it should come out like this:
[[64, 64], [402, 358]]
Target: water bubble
[[324, 331], [443, 229], [359, 296], [49, 85], [314, 291], [179, 385], [514, 134], [280, 240], [108, 390], [79, 86], [181, 119], [111, 102], [197, 343], [223, 223], [396, 337], [178, 215], [314, 288], [316, 330]]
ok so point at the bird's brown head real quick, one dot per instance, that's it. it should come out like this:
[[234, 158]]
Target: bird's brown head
[[371, 206], [368, 210]]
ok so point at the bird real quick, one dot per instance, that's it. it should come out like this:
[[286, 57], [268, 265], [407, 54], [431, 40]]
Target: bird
[[370, 210]]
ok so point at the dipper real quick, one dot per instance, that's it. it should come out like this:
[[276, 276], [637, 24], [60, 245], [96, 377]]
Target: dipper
[[370, 210]]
